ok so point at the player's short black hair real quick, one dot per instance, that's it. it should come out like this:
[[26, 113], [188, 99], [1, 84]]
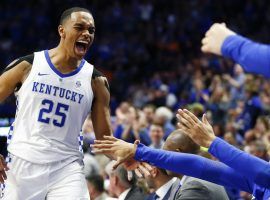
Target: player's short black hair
[[67, 13], [97, 182]]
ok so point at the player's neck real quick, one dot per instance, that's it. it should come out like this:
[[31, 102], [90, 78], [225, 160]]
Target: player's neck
[[62, 60]]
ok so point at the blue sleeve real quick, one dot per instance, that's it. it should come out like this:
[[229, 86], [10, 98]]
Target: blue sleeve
[[118, 132], [251, 167], [253, 57], [193, 165]]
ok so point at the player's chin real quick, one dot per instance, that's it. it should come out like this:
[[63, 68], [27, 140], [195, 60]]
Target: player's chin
[[79, 54]]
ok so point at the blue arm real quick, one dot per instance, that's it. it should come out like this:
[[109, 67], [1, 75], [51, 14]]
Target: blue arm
[[193, 165], [253, 57], [251, 167]]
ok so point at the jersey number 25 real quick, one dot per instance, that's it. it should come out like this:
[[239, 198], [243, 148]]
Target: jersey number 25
[[60, 111]]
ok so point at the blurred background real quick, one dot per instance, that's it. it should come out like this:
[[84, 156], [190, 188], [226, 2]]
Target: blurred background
[[150, 52]]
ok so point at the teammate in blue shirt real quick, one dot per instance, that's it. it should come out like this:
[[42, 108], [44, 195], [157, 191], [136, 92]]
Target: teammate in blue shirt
[[252, 56], [237, 169]]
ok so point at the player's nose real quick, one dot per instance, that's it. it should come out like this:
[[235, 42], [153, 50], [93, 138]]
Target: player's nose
[[86, 34]]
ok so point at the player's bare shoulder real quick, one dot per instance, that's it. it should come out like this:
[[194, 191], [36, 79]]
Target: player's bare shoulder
[[21, 66], [14, 75], [100, 85]]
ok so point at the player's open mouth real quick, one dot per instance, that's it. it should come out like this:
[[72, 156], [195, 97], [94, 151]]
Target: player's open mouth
[[81, 47]]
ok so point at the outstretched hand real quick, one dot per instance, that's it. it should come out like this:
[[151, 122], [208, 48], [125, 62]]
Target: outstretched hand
[[3, 169], [214, 38], [201, 132], [121, 151]]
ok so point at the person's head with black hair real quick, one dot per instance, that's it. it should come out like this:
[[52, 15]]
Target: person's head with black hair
[[95, 185], [76, 29], [67, 13]]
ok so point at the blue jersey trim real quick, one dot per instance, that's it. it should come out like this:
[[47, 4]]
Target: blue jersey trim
[[57, 71]]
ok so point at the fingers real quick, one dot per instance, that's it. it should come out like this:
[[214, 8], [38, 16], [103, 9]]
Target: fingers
[[205, 40], [3, 162], [102, 151], [137, 142], [205, 49], [187, 118], [4, 175], [186, 132], [183, 122], [147, 166], [101, 146], [138, 173], [103, 142], [3, 167], [119, 161], [1, 179], [111, 138], [204, 119], [192, 116], [130, 164], [144, 171]]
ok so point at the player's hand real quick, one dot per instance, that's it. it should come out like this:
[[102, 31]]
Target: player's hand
[[144, 170], [3, 169], [122, 151], [200, 132], [214, 38]]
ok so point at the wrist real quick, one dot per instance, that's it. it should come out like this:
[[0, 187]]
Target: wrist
[[210, 141]]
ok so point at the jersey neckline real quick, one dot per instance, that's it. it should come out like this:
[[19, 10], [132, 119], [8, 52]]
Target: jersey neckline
[[48, 59]]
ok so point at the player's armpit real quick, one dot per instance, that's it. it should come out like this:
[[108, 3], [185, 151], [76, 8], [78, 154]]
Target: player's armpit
[[101, 107], [13, 76]]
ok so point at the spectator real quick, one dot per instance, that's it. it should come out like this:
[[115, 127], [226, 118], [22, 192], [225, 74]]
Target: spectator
[[156, 132], [120, 186], [164, 116], [237, 84], [96, 187], [164, 185]]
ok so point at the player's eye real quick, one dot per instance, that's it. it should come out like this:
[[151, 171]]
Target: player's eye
[[79, 28], [91, 30]]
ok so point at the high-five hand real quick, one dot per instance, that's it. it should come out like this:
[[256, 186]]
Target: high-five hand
[[214, 38], [122, 151], [200, 132]]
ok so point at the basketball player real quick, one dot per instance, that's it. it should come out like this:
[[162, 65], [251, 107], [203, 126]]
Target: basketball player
[[55, 91]]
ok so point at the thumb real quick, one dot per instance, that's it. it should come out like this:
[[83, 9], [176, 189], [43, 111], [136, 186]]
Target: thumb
[[223, 24], [119, 161], [137, 142], [204, 119]]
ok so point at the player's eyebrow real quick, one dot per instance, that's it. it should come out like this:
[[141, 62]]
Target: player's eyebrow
[[83, 25], [78, 24]]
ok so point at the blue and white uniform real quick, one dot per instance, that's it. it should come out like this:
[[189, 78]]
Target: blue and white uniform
[[45, 150]]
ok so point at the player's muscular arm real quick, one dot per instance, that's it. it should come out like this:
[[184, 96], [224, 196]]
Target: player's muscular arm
[[101, 109], [14, 75]]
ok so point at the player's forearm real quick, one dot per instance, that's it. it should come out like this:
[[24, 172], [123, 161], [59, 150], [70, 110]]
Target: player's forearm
[[252, 56], [253, 168], [193, 165]]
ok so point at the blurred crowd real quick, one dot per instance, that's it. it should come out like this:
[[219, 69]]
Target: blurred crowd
[[150, 52]]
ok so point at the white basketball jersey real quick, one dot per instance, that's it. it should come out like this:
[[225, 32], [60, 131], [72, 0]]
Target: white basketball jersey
[[51, 110]]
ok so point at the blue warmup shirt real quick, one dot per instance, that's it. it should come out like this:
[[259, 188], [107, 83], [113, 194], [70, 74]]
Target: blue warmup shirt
[[253, 57], [237, 170]]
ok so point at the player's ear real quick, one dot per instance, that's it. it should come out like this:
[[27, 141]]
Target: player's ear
[[61, 31]]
